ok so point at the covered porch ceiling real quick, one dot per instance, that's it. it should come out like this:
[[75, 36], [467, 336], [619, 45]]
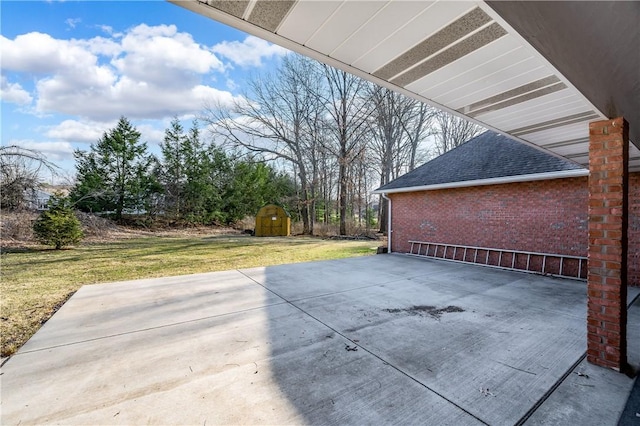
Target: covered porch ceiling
[[536, 71]]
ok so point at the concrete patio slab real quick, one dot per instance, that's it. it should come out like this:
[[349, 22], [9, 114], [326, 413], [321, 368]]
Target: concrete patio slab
[[373, 340], [99, 311], [487, 358], [588, 386]]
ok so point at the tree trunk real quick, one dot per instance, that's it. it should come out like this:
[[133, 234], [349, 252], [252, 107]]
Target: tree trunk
[[120, 206], [304, 209], [343, 198], [383, 214]]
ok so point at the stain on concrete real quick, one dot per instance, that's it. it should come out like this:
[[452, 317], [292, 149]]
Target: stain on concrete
[[425, 310]]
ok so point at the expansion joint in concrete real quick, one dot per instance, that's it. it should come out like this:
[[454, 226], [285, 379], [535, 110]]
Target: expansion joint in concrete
[[358, 344]]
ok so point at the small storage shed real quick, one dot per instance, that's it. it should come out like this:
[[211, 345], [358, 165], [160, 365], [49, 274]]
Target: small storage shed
[[273, 221]]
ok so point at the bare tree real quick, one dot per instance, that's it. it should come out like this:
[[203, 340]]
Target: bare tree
[[362, 174], [346, 103], [453, 131], [417, 128], [323, 122], [399, 125], [327, 185], [279, 118], [20, 174]]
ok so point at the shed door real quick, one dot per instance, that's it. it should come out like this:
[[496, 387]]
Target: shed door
[[271, 224]]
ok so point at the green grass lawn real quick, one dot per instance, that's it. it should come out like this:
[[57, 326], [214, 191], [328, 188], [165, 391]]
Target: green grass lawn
[[36, 282]]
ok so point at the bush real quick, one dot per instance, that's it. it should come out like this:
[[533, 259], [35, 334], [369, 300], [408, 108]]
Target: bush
[[58, 226], [17, 226]]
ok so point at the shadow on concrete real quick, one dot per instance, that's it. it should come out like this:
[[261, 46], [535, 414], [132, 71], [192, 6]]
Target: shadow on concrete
[[414, 341], [374, 340]]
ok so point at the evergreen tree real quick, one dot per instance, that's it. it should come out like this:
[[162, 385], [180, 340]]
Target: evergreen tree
[[254, 185], [186, 175], [203, 184], [198, 190], [58, 226], [116, 174], [219, 176], [173, 171]]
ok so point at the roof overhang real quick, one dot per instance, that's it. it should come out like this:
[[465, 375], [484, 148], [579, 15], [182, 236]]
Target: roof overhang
[[492, 181], [538, 72]]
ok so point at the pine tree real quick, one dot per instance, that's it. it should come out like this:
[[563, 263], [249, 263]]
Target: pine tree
[[184, 175], [198, 190], [58, 226], [203, 184], [116, 174], [172, 175]]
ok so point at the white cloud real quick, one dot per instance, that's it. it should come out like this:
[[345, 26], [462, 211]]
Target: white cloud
[[40, 53], [13, 92], [90, 132], [106, 28], [133, 99], [100, 46], [72, 22], [231, 85], [150, 134], [249, 52], [53, 151], [161, 55], [78, 131], [149, 72]]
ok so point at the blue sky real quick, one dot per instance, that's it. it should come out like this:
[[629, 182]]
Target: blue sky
[[70, 69]]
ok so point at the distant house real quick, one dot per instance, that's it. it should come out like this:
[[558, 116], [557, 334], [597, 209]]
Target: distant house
[[37, 199], [496, 193]]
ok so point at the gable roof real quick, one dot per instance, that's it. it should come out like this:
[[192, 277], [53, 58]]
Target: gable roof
[[486, 159]]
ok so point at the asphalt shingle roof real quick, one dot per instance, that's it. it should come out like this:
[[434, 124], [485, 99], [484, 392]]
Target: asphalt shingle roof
[[489, 155]]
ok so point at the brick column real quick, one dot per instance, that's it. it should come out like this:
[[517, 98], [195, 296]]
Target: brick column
[[607, 275]]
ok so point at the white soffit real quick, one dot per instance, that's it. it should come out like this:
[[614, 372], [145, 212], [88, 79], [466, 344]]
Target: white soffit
[[459, 56]]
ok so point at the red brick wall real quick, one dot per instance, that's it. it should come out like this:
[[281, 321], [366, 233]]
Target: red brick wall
[[633, 263], [542, 216], [608, 249]]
